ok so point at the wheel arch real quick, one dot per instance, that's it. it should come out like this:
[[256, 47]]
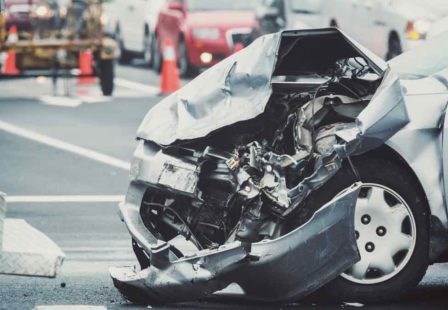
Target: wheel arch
[[438, 235]]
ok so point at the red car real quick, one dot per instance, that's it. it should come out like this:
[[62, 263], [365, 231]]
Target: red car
[[27, 15], [204, 31]]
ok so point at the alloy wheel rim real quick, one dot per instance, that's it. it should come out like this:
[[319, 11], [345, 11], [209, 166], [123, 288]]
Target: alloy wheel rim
[[386, 235]]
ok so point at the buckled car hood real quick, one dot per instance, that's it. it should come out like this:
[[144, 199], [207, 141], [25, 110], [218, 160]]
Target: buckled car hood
[[239, 87]]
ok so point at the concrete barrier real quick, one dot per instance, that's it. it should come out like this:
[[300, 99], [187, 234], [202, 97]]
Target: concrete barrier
[[25, 250]]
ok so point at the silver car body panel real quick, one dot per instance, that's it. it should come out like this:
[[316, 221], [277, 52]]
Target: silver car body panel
[[287, 268]]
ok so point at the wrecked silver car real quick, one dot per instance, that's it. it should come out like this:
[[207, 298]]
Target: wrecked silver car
[[301, 161]]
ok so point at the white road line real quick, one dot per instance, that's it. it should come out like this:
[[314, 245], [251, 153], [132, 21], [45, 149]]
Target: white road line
[[78, 150], [96, 249], [60, 101], [65, 198], [148, 89]]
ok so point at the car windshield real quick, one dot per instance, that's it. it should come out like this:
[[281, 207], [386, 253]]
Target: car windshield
[[209, 5]]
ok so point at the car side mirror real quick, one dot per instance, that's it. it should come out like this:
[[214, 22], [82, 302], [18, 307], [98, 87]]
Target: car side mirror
[[177, 6]]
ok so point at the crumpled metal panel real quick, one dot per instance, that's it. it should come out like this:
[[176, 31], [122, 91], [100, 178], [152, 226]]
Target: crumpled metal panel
[[283, 269], [422, 144], [297, 264], [236, 89]]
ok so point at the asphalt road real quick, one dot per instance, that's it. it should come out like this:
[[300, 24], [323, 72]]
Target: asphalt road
[[39, 136]]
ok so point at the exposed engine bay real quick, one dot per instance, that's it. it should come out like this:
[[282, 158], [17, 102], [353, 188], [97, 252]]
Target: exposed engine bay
[[246, 180], [223, 178]]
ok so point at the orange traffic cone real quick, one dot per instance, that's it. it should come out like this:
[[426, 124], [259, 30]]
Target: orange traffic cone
[[9, 67], [85, 66], [170, 81]]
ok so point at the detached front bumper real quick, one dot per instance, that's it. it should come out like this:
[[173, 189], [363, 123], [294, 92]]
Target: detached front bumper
[[284, 269]]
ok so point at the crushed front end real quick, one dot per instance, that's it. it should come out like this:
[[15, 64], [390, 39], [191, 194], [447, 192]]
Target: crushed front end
[[233, 183]]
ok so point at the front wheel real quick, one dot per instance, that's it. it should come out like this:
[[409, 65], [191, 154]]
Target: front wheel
[[106, 75], [392, 231], [186, 69]]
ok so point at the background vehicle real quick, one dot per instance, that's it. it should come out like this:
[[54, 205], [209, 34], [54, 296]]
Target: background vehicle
[[60, 31], [276, 15], [386, 27], [31, 14], [204, 32], [133, 23]]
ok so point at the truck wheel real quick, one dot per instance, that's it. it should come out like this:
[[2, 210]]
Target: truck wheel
[[392, 230], [106, 75], [394, 48]]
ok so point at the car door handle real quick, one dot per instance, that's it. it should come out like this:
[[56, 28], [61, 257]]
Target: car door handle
[[131, 8]]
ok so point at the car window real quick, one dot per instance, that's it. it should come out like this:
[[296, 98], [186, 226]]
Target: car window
[[204, 5]]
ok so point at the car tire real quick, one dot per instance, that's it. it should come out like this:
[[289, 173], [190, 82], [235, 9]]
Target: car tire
[[186, 70], [394, 47], [148, 50], [157, 58], [106, 76], [398, 187]]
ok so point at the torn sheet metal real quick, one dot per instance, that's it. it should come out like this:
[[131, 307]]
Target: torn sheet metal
[[239, 87], [283, 269], [236, 89]]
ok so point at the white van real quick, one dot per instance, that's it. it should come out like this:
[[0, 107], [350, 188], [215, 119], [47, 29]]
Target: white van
[[133, 23]]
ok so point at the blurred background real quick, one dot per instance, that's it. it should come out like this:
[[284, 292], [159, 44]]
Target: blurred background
[[78, 76]]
